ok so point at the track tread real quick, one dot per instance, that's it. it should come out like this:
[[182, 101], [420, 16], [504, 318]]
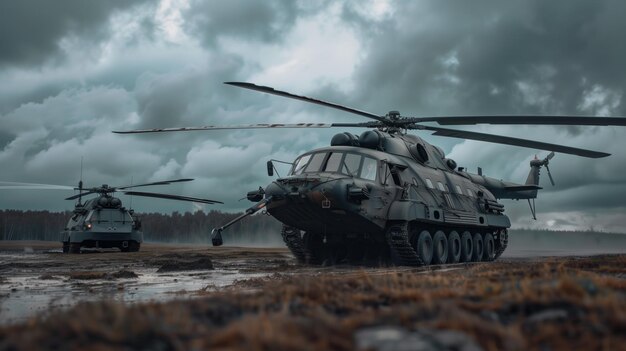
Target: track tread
[[503, 245], [398, 241]]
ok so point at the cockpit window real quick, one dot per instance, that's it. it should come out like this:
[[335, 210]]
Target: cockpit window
[[316, 162], [351, 164], [334, 161], [300, 164], [347, 163], [368, 171]]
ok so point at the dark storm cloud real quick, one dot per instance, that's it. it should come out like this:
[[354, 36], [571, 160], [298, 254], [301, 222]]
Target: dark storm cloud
[[5, 139], [449, 57], [30, 30], [247, 20], [491, 57], [180, 98]]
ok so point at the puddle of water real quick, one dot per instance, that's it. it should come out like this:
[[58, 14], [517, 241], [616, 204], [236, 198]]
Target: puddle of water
[[24, 297]]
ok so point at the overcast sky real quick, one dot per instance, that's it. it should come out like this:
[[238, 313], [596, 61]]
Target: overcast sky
[[71, 71]]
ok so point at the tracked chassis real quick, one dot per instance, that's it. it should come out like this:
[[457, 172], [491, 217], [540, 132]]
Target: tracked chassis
[[402, 245]]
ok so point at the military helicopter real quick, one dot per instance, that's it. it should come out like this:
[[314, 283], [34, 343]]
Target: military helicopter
[[102, 221], [389, 195]]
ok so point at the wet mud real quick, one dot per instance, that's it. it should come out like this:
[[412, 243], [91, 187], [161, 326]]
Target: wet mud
[[245, 298]]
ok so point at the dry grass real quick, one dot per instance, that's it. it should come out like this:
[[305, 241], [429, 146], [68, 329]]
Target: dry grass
[[557, 304]]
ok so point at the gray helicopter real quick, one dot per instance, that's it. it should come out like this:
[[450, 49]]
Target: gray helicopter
[[388, 195], [102, 221]]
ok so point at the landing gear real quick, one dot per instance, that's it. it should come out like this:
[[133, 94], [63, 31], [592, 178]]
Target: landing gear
[[66, 246]]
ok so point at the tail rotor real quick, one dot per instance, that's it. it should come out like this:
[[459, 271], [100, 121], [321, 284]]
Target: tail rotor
[[545, 163]]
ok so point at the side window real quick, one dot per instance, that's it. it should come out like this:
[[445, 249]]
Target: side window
[[334, 161], [368, 171], [470, 193], [351, 164], [458, 190], [316, 162], [300, 164], [440, 186], [429, 184]]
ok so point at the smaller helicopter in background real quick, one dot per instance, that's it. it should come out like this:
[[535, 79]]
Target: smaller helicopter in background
[[102, 221]]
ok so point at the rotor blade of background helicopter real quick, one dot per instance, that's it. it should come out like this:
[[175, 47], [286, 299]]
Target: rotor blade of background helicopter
[[273, 91], [163, 182], [74, 197], [254, 126], [34, 186], [172, 197], [538, 120], [499, 139]]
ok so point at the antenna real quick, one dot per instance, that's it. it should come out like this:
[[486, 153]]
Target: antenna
[[131, 195], [80, 182]]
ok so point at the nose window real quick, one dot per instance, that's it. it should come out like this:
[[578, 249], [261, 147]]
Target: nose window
[[334, 161], [300, 164], [316, 162]]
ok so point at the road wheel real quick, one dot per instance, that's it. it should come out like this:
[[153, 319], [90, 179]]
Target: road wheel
[[440, 248], [74, 248], [424, 247], [467, 247], [454, 247], [490, 248], [478, 247]]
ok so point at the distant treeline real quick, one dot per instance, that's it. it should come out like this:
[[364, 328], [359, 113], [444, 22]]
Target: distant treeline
[[264, 230], [157, 227]]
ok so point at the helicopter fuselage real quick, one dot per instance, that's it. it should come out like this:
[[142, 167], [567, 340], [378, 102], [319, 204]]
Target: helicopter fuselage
[[332, 200], [102, 222]]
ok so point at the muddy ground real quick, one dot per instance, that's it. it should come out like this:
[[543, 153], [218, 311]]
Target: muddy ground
[[188, 296]]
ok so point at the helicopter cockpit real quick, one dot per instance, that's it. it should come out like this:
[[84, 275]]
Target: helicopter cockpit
[[345, 163]]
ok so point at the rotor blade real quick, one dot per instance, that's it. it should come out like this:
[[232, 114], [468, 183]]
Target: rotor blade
[[253, 126], [74, 197], [550, 156], [163, 182], [537, 120], [33, 186], [172, 197], [273, 91], [499, 139]]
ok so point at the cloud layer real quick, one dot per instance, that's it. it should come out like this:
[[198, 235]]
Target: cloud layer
[[71, 73]]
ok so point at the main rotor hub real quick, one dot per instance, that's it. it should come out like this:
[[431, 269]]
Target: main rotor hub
[[394, 115]]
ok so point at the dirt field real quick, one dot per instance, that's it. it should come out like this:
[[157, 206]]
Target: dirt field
[[193, 297]]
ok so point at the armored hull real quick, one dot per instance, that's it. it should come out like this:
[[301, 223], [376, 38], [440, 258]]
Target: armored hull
[[333, 213], [104, 223]]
